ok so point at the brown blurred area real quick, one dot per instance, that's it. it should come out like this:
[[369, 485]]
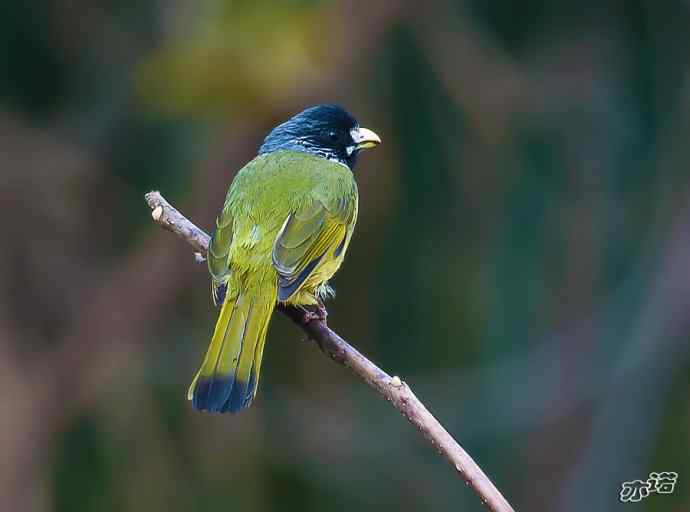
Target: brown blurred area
[[522, 255]]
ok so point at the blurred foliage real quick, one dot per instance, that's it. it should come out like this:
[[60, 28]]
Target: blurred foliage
[[218, 64], [520, 257], [31, 77]]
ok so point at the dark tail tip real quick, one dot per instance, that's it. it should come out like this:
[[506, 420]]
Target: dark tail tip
[[242, 394], [210, 394], [223, 394]]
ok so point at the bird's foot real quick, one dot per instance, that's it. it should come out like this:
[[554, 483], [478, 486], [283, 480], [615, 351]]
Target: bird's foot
[[317, 312]]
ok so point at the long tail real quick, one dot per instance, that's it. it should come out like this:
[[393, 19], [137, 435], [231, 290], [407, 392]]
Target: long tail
[[229, 375]]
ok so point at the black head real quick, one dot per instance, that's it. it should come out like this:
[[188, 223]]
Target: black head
[[325, 130]]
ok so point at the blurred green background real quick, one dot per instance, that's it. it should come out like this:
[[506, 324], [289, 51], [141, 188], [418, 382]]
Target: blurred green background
[[522, 256]]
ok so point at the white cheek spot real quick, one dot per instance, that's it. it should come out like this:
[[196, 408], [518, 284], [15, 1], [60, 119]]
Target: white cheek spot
[[350, 150]]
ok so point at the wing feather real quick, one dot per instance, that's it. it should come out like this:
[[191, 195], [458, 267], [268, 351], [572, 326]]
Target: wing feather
[[307, 237], [218, 254]]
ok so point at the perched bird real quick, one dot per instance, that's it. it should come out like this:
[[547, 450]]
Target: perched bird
[[283, 232]]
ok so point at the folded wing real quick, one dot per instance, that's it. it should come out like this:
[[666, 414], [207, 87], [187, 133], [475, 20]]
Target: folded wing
[[311, 235]]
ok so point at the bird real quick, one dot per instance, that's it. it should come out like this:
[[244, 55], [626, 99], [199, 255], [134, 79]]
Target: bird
[[283, 232]]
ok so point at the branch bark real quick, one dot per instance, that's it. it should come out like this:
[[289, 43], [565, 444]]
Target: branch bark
[[392, 389]]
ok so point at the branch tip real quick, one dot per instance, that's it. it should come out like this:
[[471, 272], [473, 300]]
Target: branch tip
[[157, 212]]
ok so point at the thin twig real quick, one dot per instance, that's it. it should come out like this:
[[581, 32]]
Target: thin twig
[[392, 389]]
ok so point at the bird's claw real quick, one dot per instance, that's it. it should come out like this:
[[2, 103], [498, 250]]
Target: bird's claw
[[317, 312]]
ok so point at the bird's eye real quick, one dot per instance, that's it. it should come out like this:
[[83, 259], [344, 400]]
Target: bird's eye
[[333, 136]]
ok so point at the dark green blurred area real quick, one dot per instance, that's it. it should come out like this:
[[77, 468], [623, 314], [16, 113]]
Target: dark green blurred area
[[522, 256]]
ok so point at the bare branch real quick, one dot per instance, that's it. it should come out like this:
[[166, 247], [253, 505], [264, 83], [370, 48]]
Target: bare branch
[[167, 216], [392, 389]]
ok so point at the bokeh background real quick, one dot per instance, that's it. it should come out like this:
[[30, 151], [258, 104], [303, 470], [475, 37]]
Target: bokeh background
[[522, 256]]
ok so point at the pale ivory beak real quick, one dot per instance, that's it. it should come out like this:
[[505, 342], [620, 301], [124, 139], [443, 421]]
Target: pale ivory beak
[[364, 138]]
